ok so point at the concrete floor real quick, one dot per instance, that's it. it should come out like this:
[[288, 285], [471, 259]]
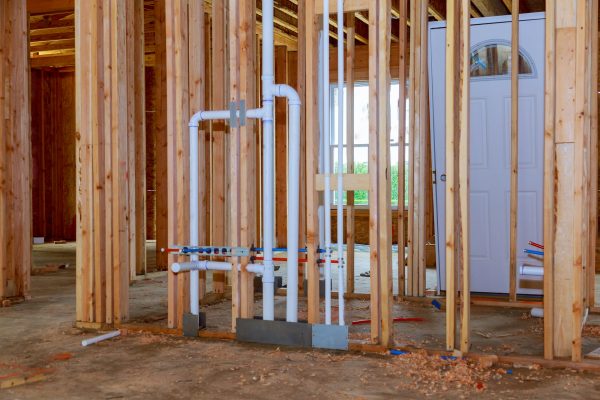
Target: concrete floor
[[38, 338]]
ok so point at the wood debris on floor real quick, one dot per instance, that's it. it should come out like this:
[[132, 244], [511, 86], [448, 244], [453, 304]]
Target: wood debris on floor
[[12, 375]]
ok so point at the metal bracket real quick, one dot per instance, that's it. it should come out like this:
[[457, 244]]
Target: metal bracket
[[234, 120]]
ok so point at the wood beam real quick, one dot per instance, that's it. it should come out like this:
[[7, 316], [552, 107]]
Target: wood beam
[[49, 6], [489, 8], [437, 8]]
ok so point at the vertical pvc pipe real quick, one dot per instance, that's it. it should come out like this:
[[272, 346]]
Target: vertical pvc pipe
[[268, 177], [194, 275], [321, 166], [327, 166], [293, 198], [340, 151]]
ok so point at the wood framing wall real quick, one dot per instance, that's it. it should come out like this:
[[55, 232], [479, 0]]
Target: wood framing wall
[[108, 99], [15, 151], [53, 153], [206, 55]]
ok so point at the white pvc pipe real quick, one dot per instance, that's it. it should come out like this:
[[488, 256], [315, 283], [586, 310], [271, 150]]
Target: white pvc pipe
[[266, 113], [340, 150], [537, 312], [293, 198], [532, 270], [213, 266], [109, 335], [194, 276], [321, 209], [268, 80], [327, 166]]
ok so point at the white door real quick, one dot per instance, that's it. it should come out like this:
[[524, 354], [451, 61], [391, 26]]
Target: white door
[[490, 146]]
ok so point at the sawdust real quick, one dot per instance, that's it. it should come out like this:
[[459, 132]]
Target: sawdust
[[434, 374], [591, 331]]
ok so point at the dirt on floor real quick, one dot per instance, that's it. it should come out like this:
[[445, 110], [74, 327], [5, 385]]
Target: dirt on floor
[[41, 351]]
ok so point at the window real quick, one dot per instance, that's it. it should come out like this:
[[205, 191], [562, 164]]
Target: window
[[494, 60], [361, 139]]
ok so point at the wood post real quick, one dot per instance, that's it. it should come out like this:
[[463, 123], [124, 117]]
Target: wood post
[[380, 213], [136, 103], [280, 131], [514, 150], [419, 128], [402, 78], [160, 132], [219, 155], [457, 172], [312, 160], [301, 88], [183, 23], [242, 151], [350, 54], [593, 193], [567, 165], [15, 151]]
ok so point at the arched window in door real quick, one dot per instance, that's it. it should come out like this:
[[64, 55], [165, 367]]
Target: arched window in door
[[493, 60]]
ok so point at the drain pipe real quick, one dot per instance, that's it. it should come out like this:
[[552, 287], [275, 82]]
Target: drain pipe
[[340, 151], [206, 265], [194, 266], [268, 81], [327, 166], [293, 198]]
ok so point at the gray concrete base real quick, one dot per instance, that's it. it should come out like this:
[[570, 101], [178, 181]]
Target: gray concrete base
[[296, 334], [334, 337], [283, 333], [193, 323]]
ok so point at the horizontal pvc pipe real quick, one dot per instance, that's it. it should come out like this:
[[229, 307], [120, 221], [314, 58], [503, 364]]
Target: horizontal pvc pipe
[[255, 113], [537, 312], [109, 335], [190, 266], [532, 270]]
